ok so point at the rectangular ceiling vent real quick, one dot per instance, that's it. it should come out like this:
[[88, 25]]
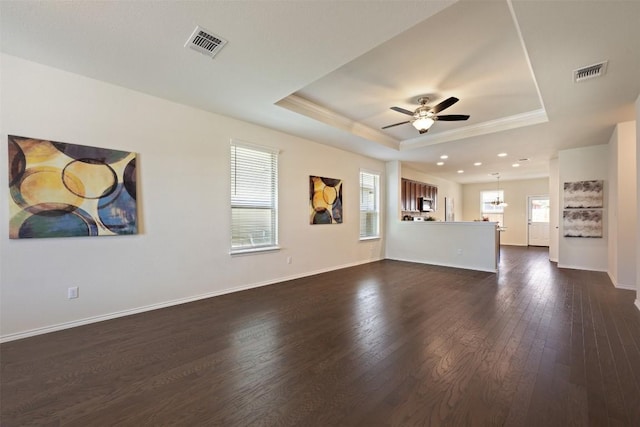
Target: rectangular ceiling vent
[[205, 42], [590, 72]]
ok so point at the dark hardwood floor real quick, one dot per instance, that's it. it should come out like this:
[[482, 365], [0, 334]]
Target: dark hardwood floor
[[387, 343]]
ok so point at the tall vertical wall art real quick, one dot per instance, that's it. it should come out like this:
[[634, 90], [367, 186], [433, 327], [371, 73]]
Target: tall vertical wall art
[[65, 190], [325, 200], [583, 203]]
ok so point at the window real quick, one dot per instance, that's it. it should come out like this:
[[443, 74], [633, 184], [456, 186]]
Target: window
[[254, 198], [369, 205], [539, 209], [488, 207]]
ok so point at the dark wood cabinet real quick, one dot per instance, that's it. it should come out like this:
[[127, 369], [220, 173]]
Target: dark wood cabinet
[[412, 190]]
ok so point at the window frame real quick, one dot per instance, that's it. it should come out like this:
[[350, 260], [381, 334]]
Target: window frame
[[376, 176], [272, 204]]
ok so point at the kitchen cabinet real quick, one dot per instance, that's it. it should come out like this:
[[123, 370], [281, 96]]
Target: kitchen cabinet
[[412, 190]]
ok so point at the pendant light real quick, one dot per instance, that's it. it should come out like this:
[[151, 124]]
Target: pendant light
[[497, 201]]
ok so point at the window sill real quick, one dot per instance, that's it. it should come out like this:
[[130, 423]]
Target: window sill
[[252, 251], [364, 239]]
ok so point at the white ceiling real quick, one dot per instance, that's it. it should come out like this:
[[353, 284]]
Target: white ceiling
[[329, 70]]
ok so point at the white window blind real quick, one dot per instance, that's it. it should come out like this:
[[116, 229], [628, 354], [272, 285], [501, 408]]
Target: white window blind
[[369, 205], [254, 198]]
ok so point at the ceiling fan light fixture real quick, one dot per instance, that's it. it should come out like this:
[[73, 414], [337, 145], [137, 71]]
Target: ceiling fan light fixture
[[422, 124]]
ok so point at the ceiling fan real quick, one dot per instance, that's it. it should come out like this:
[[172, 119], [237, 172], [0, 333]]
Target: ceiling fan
[[424, 116]]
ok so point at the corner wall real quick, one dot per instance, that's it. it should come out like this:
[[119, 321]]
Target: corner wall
[[637, 203], [622, 206], [182, 252], [584, 164]]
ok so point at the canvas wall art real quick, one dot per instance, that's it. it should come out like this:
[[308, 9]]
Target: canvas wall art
[[58, 189], [449, 215], [582, 222], [325, 200], [583, 194]]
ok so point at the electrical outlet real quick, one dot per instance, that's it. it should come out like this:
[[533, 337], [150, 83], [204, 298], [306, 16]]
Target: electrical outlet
[[72, 292], [459, 251]]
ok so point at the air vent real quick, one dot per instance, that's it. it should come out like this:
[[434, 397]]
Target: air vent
[[590, 72], [205, 42]]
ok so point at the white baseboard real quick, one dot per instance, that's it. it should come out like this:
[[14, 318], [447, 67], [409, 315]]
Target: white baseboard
[[618, 285], [150, 307], [464, 267], [580, 267], [613, 278]]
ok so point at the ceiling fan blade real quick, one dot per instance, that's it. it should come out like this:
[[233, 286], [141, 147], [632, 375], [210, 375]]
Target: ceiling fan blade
[[444, 104], [402, 110], [396, 124], [452, 117]]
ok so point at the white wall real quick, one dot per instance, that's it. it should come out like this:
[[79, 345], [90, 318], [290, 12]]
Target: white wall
[[554, 203], [182, 252], [453, 244], [622, 206], [612, 198], [515, 215], [446, 188], [583, 164]]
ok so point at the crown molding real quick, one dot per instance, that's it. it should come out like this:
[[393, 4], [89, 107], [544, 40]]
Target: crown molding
[[511, 122], [329, 117]]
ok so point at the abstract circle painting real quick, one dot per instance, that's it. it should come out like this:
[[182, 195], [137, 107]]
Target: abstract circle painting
[[66, 190], [325, 200]]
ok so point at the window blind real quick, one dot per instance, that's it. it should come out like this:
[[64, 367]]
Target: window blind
[[254, 197], [369, 205]]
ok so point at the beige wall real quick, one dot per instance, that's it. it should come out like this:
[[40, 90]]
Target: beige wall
[[182, 252], [515, 215], [638, 203], [582, 164]]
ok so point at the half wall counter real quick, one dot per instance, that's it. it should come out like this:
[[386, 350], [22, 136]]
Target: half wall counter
[[471, 245]]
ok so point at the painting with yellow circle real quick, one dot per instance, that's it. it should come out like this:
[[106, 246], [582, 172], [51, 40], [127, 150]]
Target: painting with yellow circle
[[58, 189], [325, 200]]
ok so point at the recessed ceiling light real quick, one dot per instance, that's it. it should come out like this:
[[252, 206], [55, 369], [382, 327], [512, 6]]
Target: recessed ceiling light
[[516, 165], [477, 163], [460, 171], [444, 156], [502, 155], [440, 163]]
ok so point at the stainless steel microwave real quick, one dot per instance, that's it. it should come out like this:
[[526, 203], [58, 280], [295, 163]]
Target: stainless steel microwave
[[425, 204]]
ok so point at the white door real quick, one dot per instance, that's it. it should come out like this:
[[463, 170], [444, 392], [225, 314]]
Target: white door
[[538, 220]]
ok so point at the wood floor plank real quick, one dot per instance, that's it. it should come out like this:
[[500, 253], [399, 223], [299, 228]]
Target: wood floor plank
[[386, 343]]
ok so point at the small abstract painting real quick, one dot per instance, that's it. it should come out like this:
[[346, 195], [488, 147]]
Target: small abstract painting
[[449, 215], [583, 194], [325, 200], [67, 190], [582, 223]]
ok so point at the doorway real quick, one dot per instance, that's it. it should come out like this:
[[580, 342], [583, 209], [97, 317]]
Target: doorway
[[538, 221]]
